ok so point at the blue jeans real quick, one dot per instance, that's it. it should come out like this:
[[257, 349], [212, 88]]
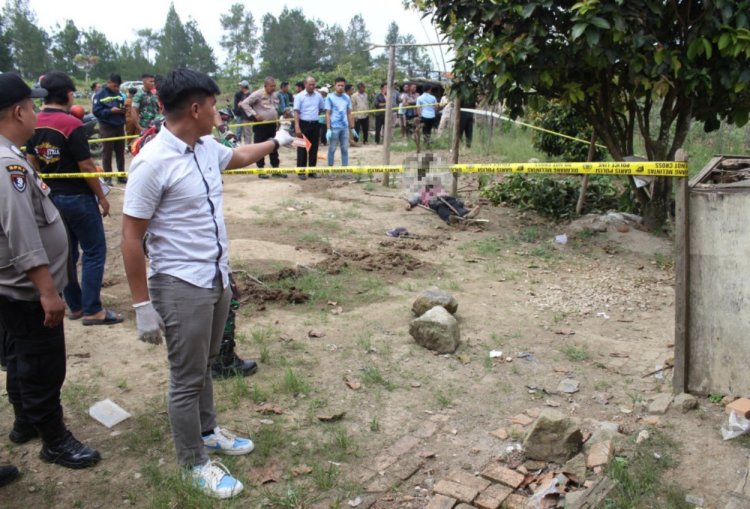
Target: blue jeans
[[80, 213], [339, 136]]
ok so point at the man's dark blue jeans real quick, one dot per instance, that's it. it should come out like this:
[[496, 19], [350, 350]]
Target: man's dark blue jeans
[[80, 213]]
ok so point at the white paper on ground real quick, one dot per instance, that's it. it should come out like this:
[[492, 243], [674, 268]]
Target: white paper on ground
[[108, 412]]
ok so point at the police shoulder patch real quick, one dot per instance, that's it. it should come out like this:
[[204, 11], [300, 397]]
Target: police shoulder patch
[[15, 167], [19, 182]]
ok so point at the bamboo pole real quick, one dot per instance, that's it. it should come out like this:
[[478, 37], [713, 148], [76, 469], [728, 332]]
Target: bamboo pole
[[456, 142], [585, 181]]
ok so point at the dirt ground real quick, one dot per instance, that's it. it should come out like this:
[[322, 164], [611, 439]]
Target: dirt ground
[[334, 302]]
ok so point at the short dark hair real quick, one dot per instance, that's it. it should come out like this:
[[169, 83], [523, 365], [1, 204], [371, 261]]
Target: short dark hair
[[182, 87], [132, 91], [383, 84], [115, 78], [94, 85], [147, 75], [339, 80], [427, 88], [300, 84], [360, 84], [58, 85], [284, 83]]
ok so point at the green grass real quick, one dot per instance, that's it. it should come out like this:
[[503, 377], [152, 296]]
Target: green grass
[[443, 399], [233, 391], [371, 375], [77, 397], [639, 479], [294, 384], [490, 246], [576, 353]]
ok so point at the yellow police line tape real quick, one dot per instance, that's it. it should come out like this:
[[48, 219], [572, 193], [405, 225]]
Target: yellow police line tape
[[640, 168]]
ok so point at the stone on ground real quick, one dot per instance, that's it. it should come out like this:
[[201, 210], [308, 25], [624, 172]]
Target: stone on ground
[[432, 297], [685, 402], [436, 330], [553, 437]]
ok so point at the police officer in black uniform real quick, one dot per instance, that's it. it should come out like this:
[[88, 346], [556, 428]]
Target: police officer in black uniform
[[33, 272]]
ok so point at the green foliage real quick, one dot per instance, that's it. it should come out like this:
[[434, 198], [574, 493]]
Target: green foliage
[[640, 64], [557, 197], [290, 43], [27, 42], [240, 40], [562, 119]]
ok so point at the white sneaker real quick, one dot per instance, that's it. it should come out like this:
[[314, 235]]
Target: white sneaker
[[214, 480], [227, 443]]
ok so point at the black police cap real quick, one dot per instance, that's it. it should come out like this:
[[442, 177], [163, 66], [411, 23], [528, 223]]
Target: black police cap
[[13, 90]]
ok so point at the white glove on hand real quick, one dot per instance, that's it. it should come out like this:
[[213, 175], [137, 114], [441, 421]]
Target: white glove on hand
[[284, 138], [148, 322]]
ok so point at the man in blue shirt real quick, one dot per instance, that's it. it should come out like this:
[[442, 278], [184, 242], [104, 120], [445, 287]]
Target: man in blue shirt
[[426, 107], [109, 109], [307, 107], [339, 121]]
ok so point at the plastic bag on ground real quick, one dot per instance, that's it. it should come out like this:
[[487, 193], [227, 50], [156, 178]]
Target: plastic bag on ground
[[735, 426]]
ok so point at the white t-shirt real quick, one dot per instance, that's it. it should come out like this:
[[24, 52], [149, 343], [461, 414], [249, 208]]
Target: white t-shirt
[[180, 191]]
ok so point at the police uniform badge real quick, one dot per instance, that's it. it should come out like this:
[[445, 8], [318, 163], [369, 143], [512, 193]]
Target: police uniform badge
[[15, 167], [19, 182]]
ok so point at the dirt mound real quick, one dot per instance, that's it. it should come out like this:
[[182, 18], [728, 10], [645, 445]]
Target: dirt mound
[[392, 261], [409, 244]]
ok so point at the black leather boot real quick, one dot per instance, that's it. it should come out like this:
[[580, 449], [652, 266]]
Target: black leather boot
[[8, 474], [70, 453], [22, 433]]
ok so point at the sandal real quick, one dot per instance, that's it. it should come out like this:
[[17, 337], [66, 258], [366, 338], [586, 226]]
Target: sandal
[[75, 315], [110, 318]]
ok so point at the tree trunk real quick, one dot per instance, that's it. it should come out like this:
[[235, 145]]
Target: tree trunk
[[656, 211]]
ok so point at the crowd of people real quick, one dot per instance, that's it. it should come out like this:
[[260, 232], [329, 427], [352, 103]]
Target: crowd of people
[[185, 294]]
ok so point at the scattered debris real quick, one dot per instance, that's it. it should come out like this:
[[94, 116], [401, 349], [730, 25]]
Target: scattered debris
[[568, 386], [268, 408], [561, 239], [315, 334], [352, 382], [301, 470], [735, 426], [331, 417], [264, 475], [108, 412], [741, 406], [495, 354], [643, 436], [355, 502]]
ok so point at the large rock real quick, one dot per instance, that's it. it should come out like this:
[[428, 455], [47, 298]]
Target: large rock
[[436, 330], [432, 297], [553, 437]]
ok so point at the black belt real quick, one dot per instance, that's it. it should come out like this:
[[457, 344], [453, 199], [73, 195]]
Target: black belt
[[308, 121]]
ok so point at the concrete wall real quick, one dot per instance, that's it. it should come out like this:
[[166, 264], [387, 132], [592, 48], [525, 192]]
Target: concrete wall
[[718, 332]]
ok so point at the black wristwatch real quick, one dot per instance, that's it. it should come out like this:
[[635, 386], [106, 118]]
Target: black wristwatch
[[276, 143]]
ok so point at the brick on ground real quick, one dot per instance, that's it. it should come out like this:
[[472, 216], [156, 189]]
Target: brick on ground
[[521, 419], [452, 489], [501, 474], [441, 502], [500, 433], [516, 501], [740, 406], [600, 454], [406, 467], [467, 479], [493, 497]]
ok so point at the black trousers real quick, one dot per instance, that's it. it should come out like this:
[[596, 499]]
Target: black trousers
[[261, 133], [427, 125], [117, 146], [311, 130], [323, 131], [379, 126], [467, 127], [362, 125], [36, 367], [444, 211]]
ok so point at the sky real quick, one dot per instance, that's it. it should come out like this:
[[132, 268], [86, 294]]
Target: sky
[[129, 15]]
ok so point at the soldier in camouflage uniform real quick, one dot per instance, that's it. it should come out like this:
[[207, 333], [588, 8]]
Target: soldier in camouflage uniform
[[228, 364], [146, 103]]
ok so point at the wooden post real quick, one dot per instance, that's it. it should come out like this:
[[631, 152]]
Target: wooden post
[[456, 142], [388, 128], [585, 181], [682, 280]]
